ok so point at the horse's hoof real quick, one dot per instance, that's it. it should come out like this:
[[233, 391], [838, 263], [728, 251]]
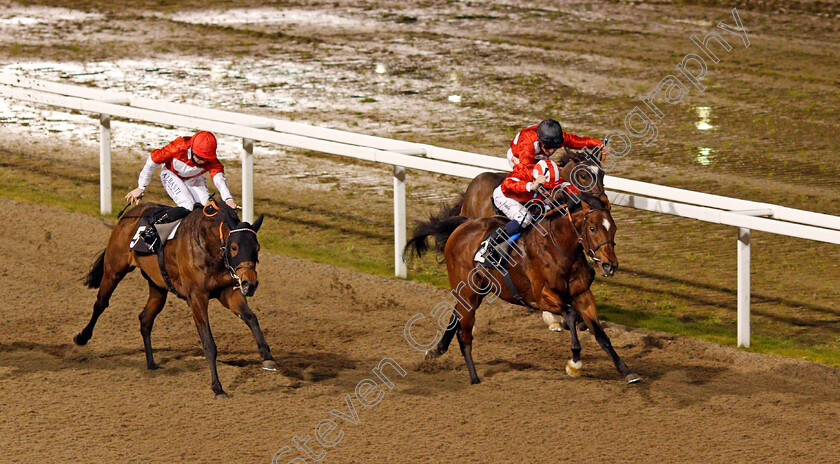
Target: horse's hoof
[[221, 396], [153, 367], [573, 368], [475, 381], [555, 327], [632, 378], [269, 365], [432, 354], [80, 340]]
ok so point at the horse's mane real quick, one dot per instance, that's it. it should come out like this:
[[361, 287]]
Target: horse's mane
[[593, 201]]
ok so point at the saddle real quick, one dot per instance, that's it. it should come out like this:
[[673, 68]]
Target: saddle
[[151, 237]]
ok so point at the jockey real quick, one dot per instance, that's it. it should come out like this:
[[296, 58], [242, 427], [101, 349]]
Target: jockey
[[520, 186], [184, 161], [540, 141]]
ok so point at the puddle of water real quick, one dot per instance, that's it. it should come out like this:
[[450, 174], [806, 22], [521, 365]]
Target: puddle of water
[[705, 115], [263, 16], [25, 16], [704, 156]]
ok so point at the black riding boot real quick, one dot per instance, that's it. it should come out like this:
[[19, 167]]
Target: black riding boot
[[504, 243], [150, 235], [498, 241]]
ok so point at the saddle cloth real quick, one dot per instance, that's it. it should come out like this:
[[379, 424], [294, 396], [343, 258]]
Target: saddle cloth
[[164, 232]]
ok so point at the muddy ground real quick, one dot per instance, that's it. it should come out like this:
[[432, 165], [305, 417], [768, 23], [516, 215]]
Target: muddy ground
[[328, 328], [764, 129]]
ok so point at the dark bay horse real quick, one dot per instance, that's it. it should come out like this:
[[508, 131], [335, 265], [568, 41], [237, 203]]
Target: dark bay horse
[[550, 272], [212, 255]]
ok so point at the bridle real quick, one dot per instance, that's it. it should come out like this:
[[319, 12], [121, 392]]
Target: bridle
[[225, 255], [584, 237], [226, 246]]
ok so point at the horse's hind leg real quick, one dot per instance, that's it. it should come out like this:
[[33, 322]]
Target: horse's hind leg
[[443, 345], [157, 299], [115, 268], [465, 336], [234, 300], [585, 306]]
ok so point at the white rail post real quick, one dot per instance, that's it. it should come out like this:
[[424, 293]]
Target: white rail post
[[399, 221], [744, 287], [247, 180], [104, 164]]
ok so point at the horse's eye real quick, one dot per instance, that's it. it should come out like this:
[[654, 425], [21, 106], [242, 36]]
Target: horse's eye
[[234, 247], [592, 229]]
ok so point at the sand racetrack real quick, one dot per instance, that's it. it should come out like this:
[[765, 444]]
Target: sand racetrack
[[328, 328]]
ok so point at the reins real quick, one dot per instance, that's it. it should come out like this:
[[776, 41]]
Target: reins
[[584, 240]]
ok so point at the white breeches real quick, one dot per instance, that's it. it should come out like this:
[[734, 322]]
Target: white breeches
[[185, 193], [512, 208]]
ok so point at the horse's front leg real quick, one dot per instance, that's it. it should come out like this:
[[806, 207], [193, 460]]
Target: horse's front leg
[[573, 365], [198, 304], [584, 304], [234, 300]]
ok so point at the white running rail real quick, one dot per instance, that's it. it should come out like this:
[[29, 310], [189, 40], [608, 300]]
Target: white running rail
[[743, 214]]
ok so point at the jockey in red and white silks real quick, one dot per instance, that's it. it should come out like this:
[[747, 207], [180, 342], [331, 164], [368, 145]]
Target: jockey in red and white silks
[[183, 164], [540, 141], [519, 187]]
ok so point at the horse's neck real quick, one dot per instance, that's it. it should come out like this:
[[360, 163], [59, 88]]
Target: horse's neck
[[210, 243]]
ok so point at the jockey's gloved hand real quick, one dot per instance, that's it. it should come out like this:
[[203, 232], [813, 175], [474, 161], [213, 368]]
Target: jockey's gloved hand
[[135, 195], [539, 180]]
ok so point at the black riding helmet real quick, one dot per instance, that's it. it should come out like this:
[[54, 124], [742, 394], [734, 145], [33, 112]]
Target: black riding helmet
[[550, 134]]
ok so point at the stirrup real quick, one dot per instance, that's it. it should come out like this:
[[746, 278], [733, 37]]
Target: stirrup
[[150, 238]]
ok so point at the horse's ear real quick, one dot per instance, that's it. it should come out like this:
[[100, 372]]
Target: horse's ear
[[256, 225]]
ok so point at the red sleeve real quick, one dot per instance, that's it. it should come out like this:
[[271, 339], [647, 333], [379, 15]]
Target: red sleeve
[[170, 151], [577, 142], [215, 167], [522, 145], [517, 181]]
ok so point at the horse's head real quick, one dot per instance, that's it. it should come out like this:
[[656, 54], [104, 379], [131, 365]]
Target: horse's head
[[241, 250], [585, 174], [597, 230]]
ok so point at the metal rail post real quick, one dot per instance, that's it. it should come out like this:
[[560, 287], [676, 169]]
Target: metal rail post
[[247, 180], [104, 164], [744, 287], [399, 221]]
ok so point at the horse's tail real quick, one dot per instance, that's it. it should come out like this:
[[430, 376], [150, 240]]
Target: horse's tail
[[455, 210], [97, 270], [440, 226]]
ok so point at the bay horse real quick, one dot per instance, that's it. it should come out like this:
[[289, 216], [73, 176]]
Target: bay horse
[[583, 170], [212, 255], [549, 271]]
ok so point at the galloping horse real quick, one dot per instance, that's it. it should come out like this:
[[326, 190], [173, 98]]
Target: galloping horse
[[549, 272], [581, 170], [212, 255]]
